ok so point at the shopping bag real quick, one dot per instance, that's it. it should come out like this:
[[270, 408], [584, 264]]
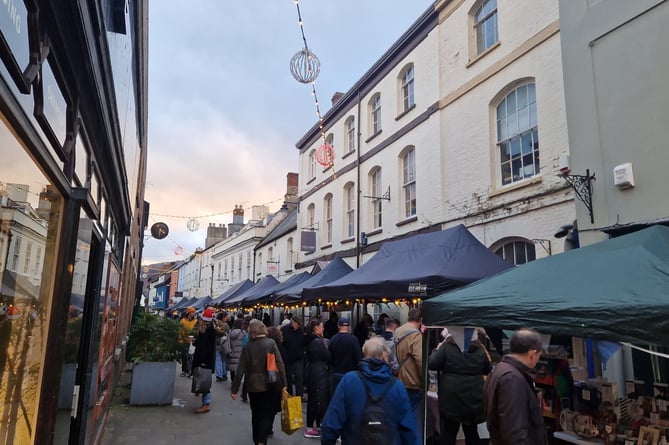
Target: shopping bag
[[272, 368], [201, 380], [291, 413]]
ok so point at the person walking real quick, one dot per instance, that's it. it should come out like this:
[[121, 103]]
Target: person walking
[[364, 329], [318, 378], [409, 352], [513, 410], [330, 327], [187, 333], [223, 347], [205, 351], [293, 340], [253, 366], [345, 351], [349, 414], [236, 339], [460, 388]]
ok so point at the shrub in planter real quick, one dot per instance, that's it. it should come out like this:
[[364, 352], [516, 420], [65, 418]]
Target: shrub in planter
[[153, 347]]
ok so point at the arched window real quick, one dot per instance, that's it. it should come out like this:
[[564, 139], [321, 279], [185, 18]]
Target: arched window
[[406, 84], [515, 250], [485, 25], [349, 210], [312, 164], [518, 135], [327, 218], [408, 166], [349, 128], [375, 189], [375, 114], [311, 211], [330, 140], [289, 253]]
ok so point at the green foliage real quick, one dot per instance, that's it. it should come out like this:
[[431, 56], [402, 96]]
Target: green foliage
[[153, 339]]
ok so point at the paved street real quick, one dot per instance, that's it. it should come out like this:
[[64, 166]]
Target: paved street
[[228, 422]]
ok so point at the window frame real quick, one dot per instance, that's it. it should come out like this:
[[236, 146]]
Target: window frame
[[406, 90], [311, 167], [375, 189], [491, 17], [375, 115], [500, 248], [311, 216], [513, 137], [349, 211], [408, 175], [349, 129], [327, 219]]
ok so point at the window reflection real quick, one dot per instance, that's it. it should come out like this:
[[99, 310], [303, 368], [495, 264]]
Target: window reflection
[[30, 211]]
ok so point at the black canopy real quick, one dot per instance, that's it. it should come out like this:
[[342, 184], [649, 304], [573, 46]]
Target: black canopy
[[265, 296], [236, 289], [438, 260], [257, 290], [336, 269], [616, 289]]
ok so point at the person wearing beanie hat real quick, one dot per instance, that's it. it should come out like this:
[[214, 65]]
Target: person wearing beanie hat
[[205, 351], [187, 333], [294, 342]]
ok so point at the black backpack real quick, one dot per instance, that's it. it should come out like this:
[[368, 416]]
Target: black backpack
[[374, 428]]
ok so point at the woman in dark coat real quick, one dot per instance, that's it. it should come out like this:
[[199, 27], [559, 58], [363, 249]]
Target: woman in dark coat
[[318, 378], [205, 351], [460, 388]]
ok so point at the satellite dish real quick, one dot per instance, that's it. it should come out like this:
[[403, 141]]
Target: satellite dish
[[192, 225]]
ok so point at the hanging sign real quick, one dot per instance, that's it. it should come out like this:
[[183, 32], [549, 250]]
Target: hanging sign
[[308, 241]]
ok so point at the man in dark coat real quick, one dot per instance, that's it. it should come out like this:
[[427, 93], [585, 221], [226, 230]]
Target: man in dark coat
[[345, 350], [293, 340], [460, 388], [513, 410]]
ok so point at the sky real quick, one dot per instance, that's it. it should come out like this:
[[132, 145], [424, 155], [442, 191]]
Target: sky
[[224, 111]]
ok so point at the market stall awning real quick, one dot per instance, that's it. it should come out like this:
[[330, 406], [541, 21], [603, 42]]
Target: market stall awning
[[266, 296], [422, 265], [236, 289], [201, 303], [336, 269], [616, 289], [258, 289]]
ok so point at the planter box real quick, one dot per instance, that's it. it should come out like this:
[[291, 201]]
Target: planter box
[[152, 383]]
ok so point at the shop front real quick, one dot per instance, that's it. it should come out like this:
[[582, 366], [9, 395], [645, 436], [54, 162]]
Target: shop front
[[71, 211]]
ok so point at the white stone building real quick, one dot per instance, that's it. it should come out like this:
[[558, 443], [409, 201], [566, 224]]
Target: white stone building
[[442, 130]]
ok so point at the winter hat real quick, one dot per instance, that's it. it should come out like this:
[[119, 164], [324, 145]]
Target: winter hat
[[191, 310], [207, 315], [343, 322]]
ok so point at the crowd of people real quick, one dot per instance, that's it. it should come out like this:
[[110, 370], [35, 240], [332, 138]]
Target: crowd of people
[[346, 375]]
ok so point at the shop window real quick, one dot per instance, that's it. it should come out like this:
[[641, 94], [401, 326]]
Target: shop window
[[31, 215]]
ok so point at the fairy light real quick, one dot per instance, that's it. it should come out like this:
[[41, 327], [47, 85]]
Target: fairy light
[[311, 57]]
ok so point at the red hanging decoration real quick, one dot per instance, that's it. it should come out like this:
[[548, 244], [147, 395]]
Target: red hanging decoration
[[325, 155]]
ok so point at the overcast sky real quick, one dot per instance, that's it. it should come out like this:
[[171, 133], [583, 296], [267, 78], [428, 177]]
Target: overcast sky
[[224, 110]]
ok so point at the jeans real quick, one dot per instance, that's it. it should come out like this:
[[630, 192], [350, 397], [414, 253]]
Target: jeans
[[415, 396], [221, 362], [206, 398]]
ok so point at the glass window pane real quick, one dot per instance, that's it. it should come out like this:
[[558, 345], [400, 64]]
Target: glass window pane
[[516, 167], [519, 248], [501, 109], [512, 124], [506, 173], [533, 114], [527, 142], [528, 166], [511, 102], [523, 119], [521, 94], [505, 152], [531, 93], [515, 147]]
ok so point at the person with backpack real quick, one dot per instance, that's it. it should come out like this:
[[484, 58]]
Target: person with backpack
[[370, 406]]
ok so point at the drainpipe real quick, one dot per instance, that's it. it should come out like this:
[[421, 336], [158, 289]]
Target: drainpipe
[[357, 213]]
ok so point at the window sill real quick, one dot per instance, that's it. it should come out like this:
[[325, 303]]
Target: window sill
[[515, 186], [347, 154], [374, 232], [405, 112], [373, 136], [407, 221], [483, 54], [311, 180], [347, 240], [326, 246]]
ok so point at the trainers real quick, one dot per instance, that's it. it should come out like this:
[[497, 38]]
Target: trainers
[[203, 409], [312, 432]]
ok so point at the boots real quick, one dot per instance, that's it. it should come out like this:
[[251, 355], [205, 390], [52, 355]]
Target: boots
[[203, 409]]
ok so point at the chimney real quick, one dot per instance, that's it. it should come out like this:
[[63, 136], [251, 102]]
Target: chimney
[[215, 234], [290, 198], [237, 220], [336, 96]]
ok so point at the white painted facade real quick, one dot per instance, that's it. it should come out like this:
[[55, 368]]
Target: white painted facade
[[452, 129]]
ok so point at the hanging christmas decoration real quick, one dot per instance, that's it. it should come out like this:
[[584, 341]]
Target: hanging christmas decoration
[[325, 155], [305, 67], [179, 251], [192, 225]]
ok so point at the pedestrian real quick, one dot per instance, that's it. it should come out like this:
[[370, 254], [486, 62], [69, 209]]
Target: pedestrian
[[460, 387], [236, 338], [275, 334], [380, 326], [205, 351], [363, 329], [253, 366], [371, 391], [409, 352], [186, 336], [318, 378], [293, 340], [513, 410], [223, 347], [391, 325], [345, 351], [331, 327]]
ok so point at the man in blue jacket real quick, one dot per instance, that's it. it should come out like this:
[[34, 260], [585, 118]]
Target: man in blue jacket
[[344, 414]]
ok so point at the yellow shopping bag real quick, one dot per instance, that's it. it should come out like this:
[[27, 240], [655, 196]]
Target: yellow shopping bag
[[291, 413]]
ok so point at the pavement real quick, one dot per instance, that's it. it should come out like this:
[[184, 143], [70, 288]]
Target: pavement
[[228, 421]]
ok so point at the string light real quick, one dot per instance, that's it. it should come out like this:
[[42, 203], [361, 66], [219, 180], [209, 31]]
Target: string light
[[310, 68]]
